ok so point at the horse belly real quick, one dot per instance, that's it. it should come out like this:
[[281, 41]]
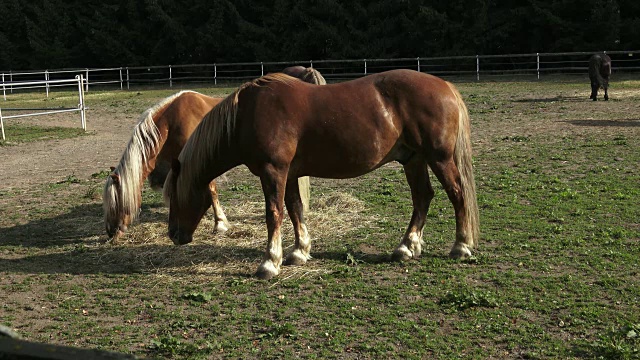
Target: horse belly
[[345, 159]]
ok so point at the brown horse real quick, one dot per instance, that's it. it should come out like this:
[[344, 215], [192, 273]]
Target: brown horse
[[158, 138], [599, 73], [283, 129]]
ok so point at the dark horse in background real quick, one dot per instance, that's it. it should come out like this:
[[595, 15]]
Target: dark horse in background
[[599, 72]]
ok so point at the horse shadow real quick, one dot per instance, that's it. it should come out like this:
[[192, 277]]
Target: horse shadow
[[75, 243], [72, 227], [611, 122]]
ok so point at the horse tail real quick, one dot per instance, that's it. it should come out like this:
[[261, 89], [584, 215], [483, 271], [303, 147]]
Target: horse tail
[[464, 163], [305, 192]]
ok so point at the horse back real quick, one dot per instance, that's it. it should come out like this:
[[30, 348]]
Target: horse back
[[176, 123], [385, 116]]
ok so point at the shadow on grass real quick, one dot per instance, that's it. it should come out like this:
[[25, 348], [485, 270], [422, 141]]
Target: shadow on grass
[[74, 243], [553, 99], [74, 227], [108, 259], [612, 122]]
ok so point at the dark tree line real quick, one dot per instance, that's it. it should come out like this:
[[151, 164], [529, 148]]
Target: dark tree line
[[38, 34]]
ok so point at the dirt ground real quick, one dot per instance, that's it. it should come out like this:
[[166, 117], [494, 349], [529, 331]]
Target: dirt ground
[[43, 162]]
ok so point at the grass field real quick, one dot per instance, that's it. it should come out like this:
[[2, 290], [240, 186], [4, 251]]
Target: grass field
[[556, 273]]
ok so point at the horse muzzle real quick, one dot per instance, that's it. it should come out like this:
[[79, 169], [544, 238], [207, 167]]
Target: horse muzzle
[[115, 232], [178, 237]]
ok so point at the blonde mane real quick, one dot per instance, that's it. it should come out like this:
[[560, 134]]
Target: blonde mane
[[144, 144], [204, 143]]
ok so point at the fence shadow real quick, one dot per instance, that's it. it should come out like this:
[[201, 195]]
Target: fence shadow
[[554, 99], [611, 122]]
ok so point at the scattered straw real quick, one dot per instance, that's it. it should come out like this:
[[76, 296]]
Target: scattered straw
[[239, 250]]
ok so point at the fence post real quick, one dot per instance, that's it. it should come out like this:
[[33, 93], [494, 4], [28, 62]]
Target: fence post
[[261, 69], [120, 77], [11, 81], [418, 58], [215, 74], [311, 63], [538, 65], [365, 66], [170, 77], [478, 67], [2, 126], [83, 119], [46, 78], [4, 89], [127, 78], [87, 79]]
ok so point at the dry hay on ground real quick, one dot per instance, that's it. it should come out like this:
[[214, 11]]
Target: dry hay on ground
[[239, 250]]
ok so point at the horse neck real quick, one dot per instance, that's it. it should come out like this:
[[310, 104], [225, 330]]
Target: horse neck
[[162, 126]]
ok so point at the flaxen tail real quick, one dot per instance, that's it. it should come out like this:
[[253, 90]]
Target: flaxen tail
[[463, 160], [305, 192]]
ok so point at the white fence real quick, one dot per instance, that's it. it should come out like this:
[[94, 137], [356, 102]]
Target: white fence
[[473, 68], [79, 81]]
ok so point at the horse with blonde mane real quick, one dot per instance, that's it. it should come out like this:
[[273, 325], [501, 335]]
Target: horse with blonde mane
[[158, 138], [283, 129]]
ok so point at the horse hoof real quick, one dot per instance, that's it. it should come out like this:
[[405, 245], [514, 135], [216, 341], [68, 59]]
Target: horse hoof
[[267, 271], [401, 254], [460, 252], [296, 258], [220, 228]]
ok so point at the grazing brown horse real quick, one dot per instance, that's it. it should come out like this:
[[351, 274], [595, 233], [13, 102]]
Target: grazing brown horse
[[282, 129], [599, 73], [158, 138]]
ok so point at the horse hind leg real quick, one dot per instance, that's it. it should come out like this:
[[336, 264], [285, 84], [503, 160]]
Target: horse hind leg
[[221, 222], [606, 93], [594, 90], [417, 175], [448, 174], [273, 182], [295, 208]]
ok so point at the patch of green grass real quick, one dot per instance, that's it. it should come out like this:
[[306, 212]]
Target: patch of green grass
[[555, 273], [17, 134]]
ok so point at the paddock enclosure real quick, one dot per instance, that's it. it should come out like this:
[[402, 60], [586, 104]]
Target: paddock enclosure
[[555, 273]]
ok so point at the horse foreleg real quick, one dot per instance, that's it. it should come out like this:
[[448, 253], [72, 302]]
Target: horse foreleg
[[302, 247], [421, 194], [606, 93], [594, 90], [447, 173], [273, 187], [221, 222]]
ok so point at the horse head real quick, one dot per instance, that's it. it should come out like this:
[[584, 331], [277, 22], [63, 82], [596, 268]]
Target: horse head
[[186, 208]]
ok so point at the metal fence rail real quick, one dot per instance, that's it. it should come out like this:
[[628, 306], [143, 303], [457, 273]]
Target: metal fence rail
[[79, 80], [478, 68]]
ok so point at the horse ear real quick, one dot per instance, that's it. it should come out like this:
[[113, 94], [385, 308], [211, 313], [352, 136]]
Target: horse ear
[[115, 177], [113, 168], [175, 167]]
